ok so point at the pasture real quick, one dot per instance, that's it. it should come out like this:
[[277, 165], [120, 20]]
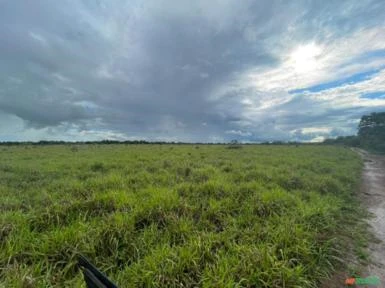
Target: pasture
[[178, 215]]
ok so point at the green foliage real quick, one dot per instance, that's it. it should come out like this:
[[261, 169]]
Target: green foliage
[[176, 215], [372, 132]]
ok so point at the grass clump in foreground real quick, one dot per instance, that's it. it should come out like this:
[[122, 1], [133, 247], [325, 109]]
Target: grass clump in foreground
[[177, 216]]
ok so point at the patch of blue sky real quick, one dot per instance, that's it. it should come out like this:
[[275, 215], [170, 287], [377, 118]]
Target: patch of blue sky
[[373, 95], [359, 77], [379, 53]]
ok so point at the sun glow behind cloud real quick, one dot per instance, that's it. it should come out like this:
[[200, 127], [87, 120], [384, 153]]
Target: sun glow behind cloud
[[331, 65], [305, 58]]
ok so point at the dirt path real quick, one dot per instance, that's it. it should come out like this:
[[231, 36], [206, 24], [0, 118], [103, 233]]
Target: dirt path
[[373, 192]]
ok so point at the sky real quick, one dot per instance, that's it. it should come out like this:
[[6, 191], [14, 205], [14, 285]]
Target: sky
[[195, 71]]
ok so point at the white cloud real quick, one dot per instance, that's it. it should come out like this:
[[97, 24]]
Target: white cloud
[[60, 77], [305, 58], [238, 132], [13, 128], [349, 95], [312, 130], [315, 63], [39, 38], [317, 139]]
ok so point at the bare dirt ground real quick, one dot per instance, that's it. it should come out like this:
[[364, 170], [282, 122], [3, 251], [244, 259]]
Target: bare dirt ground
[[373, 193]]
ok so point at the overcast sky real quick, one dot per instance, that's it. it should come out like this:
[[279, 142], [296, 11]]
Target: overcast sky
[[189, 70]]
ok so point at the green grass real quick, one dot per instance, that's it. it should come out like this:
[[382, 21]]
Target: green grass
[[177, 216]]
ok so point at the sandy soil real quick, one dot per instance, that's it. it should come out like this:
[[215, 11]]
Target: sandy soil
[[373, 193]]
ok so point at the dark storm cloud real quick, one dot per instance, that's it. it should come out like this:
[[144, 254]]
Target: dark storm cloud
[[153, 69]]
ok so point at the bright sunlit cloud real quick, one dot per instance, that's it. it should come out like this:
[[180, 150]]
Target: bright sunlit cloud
[[305, 58]]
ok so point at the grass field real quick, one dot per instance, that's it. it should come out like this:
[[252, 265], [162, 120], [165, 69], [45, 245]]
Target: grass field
[[177, 216]]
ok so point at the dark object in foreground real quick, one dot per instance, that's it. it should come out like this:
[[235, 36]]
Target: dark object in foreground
[[93, 277]]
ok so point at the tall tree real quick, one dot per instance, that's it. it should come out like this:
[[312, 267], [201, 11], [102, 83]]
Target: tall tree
[[371, 132]]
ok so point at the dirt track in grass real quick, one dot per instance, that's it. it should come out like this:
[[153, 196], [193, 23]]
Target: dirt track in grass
[[373, 193]]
